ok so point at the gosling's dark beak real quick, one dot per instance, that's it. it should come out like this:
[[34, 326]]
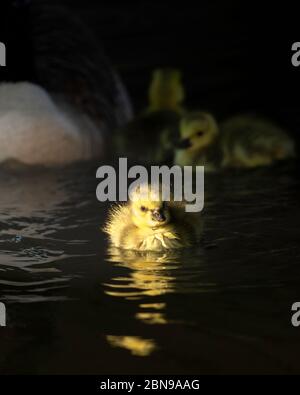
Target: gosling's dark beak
[[158, 216], [182, 144]]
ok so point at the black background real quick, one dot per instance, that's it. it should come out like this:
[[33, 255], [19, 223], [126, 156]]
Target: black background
[[235, 56]]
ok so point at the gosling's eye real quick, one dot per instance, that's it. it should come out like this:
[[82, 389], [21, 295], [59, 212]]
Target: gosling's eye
[[143, 208], [200, 133]]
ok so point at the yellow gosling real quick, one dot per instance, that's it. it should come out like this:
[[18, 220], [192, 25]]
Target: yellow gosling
[[243, 141], [147, 223], [149, 138], [199, 132], [166, 92], [252, 141]]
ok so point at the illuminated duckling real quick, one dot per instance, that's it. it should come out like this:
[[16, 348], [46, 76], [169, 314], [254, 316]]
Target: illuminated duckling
[[149, 137], [148, 223], [240, 142], [199, 133]]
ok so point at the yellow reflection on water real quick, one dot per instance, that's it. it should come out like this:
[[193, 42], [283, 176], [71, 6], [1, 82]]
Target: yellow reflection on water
[[152, 317], [150, 274], [157, 306], [135, 344]]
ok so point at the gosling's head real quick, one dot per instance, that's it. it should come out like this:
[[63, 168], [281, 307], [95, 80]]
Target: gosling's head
[[149, 210], [166, 91], [198, 130]]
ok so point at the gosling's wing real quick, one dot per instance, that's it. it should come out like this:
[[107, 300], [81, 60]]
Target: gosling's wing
[[188, 224], [118, 216], [117, 224]]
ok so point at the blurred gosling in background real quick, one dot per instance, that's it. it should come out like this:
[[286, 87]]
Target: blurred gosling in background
[[243, 141], [198, 145], [149, 138], [252, 141], [166, 92]]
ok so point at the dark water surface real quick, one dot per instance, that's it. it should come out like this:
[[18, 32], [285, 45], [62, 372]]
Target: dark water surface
[[74, 306]]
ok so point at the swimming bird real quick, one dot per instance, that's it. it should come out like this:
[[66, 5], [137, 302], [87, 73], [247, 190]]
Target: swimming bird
[[149, 223], [199, 143], [149, 137], [243, 141], [252, 141]]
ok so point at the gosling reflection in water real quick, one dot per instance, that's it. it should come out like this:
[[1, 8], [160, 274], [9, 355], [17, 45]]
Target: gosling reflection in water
[[150, 275], [135, 344]]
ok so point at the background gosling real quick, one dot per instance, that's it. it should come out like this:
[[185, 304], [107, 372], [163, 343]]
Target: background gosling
[[253, 141], [150, 136], [166, 92], [151, 224], [243, 141], [198, 144]]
